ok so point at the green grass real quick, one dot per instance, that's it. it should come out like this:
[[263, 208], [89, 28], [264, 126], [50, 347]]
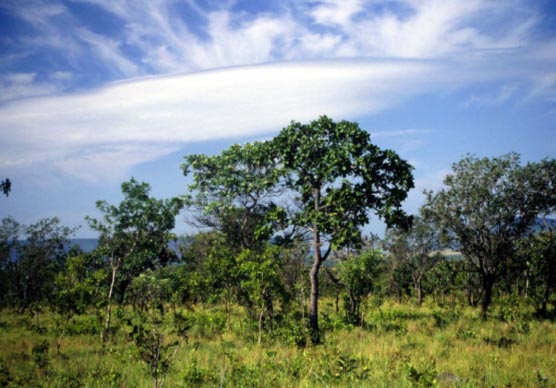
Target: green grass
[[399, 345]]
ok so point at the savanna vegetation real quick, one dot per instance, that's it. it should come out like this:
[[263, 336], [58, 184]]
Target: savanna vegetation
[[278, 286]]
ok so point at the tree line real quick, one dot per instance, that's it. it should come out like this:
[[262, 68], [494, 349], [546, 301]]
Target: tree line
[[271, 219]]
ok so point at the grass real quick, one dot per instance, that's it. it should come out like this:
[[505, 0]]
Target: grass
[[399, 345]]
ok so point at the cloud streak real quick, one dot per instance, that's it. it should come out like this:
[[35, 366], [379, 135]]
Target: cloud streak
[[148, 118], [345, 58]]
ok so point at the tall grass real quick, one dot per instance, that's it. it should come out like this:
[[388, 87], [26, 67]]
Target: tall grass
[[398, 345]]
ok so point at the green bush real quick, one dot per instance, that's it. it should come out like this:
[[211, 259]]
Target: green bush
[[83, 325]]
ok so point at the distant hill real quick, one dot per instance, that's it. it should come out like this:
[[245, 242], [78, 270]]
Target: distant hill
[[89, 244], [86, 244]]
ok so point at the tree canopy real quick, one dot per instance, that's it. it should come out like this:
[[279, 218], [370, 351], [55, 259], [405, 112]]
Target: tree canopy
[[487, 205], [339, 177]]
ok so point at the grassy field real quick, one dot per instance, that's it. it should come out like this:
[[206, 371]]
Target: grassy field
[[399, 345]]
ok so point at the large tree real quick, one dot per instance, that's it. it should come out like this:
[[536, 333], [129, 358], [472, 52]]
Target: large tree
[[134, 236], [486, 206], [339, 176]]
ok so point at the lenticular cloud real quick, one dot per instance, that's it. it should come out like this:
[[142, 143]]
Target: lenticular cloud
[[111, 129]]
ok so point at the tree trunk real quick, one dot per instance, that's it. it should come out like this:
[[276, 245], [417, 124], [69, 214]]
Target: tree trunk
[[314, 299], [314, 277], [352, 307], [418, 289], [123, 286], [488, 284], [546, 295], [261, 318], [269, 306], [104, 332]]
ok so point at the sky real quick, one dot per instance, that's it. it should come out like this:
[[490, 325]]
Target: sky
[[94, 92]]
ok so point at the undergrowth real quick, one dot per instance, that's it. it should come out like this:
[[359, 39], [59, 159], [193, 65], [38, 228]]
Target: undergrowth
[[398, 345]]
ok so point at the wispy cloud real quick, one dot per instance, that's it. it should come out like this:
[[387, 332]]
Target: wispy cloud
[[17, 85], [160, 37], [504, 93], [145, 119], [416, 46]]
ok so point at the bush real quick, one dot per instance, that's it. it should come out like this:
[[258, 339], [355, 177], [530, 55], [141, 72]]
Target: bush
[[207, 324], [83, 325]]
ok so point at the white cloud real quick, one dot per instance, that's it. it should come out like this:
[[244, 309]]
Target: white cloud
[[504, 93], [17, 85], [336, 12], [108, 130], [109, 52], [160, 40], [86, 134]]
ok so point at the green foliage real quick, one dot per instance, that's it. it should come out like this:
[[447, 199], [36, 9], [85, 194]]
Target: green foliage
[[154, 343], [32, 275], [82, 325], [207, 325], [540, 250], [401, 346], [338, 176], [74, 287], [194, 375], [358, 274], [487, 206], [234, 191], [425, 377], [293, 331], [134, 237], [39, 355]]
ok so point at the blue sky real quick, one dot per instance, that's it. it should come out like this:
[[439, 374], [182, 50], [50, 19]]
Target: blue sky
[[93, 92]]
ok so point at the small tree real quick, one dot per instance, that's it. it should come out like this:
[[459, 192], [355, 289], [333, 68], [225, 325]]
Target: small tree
[[358, 274], [234, 195], [39, 259], [260, 278], [134, 236], [74, 292], [155, 345]]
